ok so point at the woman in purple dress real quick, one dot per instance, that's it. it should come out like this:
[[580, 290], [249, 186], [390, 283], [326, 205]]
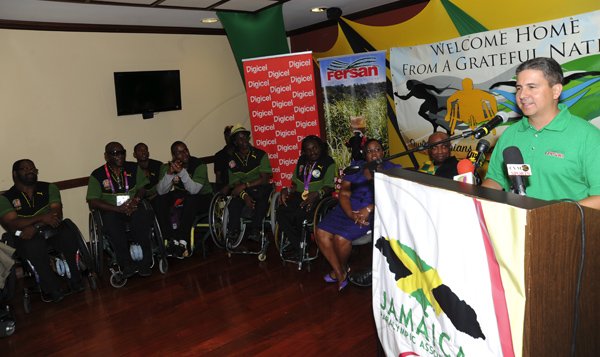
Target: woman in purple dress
[[351, 218]]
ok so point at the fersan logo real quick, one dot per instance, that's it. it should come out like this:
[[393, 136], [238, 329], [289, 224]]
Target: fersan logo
[[362, 67]]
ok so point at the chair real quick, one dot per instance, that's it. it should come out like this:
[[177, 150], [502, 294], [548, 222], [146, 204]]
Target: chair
[[99, 244]]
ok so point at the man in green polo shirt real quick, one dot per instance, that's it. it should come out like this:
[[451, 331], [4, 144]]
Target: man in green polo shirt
[[112, 189], [562, 149], [184, 193], [27, 209], [249, 176]]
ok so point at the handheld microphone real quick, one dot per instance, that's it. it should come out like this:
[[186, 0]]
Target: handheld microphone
[[477, 156], [465, 166], [466, 172], [512, 156], [483, 130]]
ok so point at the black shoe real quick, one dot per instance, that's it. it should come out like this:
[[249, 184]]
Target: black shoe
[[129, 271], [76, 287], [145, 272], [254, 235], [363, 279], [54, 296], [177, 249]]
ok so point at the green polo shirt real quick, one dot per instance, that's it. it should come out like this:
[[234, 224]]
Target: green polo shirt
[[99, 184], [44, 195], [246, 169], [564, 157], [321, 175]]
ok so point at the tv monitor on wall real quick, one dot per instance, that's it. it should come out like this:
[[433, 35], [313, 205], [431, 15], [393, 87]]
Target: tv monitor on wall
[[147, 92]]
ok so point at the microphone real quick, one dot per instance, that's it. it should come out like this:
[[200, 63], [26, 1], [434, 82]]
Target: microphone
[[477, 156], [483, 130], [466, 172], [513, 157], [465, 166]]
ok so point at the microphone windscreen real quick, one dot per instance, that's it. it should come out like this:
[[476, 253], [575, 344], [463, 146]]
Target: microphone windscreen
[[512, 155], [464, 166]]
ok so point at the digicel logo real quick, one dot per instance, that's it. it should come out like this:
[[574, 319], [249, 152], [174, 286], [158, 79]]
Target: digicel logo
[[367, 71]]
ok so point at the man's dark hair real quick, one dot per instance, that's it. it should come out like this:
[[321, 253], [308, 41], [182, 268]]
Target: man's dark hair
[[178, 142], [227, 129], [138, 145], [18, 163], [551, 69]]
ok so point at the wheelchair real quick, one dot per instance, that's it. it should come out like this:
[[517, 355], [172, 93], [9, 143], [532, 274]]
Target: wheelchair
[[200, 227], [99, 247], [309, 250], [59, 265], [219, 216]]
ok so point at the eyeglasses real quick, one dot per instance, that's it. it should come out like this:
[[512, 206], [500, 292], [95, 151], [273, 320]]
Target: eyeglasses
[[117, 153]]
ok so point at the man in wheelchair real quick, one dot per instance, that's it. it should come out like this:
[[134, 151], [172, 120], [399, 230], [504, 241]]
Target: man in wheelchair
[[249, 176], [113, 189], [184, 193], [313, 179], [31, 211]]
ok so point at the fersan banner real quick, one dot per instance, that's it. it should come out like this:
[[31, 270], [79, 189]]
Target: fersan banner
[[355, 103], [283, 108]]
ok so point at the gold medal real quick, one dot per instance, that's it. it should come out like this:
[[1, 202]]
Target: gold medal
[[304, 195]]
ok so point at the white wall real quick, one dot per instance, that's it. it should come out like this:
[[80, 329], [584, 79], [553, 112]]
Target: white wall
[[57, 101]]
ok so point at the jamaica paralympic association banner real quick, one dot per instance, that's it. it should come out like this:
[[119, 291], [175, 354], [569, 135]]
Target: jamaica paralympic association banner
[[355, 102], [459, 84], [437, 286], [283, 108]]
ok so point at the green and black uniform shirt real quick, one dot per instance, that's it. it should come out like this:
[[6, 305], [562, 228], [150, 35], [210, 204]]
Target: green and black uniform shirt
[[154, 167], [249, 168], [321, 175], [197, 170], [14, 200], [99, 185]]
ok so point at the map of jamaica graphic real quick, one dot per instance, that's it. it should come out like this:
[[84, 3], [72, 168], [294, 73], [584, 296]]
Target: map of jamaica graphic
[[421, 281]]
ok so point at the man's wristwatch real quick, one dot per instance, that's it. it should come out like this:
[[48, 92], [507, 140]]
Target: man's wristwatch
[[18, 233]]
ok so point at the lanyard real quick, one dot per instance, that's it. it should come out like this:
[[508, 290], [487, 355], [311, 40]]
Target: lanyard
[[112, 187], [308, 175]]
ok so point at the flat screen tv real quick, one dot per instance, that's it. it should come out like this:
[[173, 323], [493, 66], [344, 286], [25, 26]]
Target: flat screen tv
[[147, 92]]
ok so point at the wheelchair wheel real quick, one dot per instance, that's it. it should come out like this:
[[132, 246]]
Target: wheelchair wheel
[[262, 257], [27, 302], [272, 212], [163, 265], [117, 280], [85, 263], [95, 244], [234, 242], [92, 282], [216, 219]]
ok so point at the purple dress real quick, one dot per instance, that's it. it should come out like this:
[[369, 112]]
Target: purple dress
[[363, 194]]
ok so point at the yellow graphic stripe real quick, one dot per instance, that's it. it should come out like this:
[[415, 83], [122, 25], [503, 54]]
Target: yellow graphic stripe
[[426, 281]]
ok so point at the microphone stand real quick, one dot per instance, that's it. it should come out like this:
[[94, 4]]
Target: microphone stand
[[373, 164]]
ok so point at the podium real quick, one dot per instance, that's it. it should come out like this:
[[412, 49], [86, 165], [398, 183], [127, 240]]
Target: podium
[[546, 241]]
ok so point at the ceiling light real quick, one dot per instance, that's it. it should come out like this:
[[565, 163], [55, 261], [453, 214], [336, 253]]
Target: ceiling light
[[318, 9], [209, 20]]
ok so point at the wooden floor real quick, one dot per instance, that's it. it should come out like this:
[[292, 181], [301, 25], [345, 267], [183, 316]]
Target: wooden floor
[[214, 306]]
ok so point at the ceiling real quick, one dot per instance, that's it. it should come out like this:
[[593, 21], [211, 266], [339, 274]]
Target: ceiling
[[181, 14]]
